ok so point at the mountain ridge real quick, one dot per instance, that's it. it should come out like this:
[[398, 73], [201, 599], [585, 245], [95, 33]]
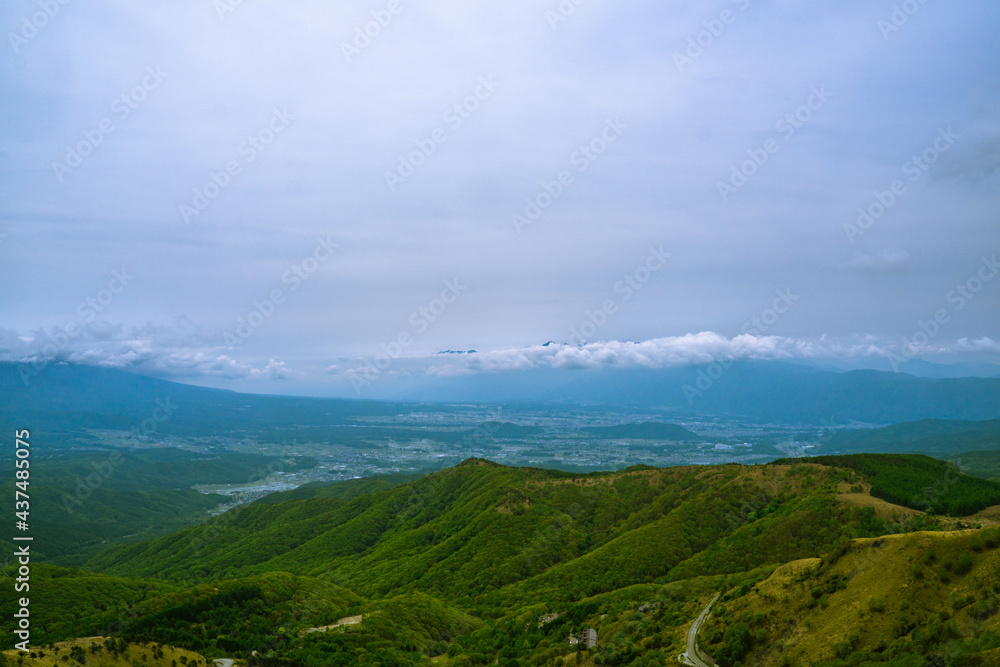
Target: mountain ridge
[[773, 391], [462, 566]]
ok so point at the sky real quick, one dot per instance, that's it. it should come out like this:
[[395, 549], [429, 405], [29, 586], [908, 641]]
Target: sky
[[276, 196]]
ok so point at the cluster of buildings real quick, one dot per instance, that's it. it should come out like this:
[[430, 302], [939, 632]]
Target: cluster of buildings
[[585, 638]]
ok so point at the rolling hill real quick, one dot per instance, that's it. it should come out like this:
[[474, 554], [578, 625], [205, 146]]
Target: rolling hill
[[927, 436], [460, 565]]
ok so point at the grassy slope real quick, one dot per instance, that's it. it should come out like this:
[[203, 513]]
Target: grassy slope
[[918, 481], [149, 655], [901, 594]]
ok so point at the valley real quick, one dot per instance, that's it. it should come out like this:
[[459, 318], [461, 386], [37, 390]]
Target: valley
[[474, 534], [461, 564]]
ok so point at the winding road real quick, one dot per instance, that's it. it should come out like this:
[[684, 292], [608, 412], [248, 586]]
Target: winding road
[[690, 656]]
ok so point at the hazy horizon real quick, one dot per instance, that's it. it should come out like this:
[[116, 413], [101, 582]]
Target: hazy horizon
[[267, 197]]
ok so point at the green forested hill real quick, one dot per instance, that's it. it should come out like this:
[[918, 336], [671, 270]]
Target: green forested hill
[[927, 436], [83, 501], [347, 489], [461, 564], [985, 464], [69, 529], [478, 528], [919, 482], [61, 598], [487, 536]]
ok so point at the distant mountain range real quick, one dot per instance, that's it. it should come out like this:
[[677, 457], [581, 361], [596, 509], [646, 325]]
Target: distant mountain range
[[68, 398], [768, 391], [764, 391], [929, 436]]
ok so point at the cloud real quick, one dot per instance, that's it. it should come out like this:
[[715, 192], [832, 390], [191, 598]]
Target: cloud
[[181, 351], [177, 351], [689, 349], [275, 370], [357, 118], [984, 344]]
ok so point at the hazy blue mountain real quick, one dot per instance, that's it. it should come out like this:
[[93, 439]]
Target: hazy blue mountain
[[66, 398], [928, 369], [768, 391], [934, 436], [916, 367]]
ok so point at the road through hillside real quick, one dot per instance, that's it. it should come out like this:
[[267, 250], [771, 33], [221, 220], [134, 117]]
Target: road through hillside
[[690, 656]]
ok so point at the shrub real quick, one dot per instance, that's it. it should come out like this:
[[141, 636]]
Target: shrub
[[964, 564]]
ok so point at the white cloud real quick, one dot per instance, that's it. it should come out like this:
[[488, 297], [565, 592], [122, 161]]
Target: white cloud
[[180, 351], [177, 351], [689, 349], [984, 344]]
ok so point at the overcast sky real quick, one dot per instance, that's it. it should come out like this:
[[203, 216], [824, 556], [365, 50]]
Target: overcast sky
[[603, 174]]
